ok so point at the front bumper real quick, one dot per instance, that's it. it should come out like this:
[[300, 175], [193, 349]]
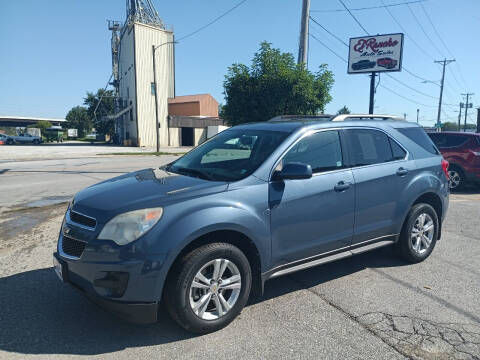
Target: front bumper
[[135, 312]]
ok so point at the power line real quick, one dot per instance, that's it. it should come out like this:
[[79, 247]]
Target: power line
[[353, 16], [443, 43], [423, 30], [411, 88], [212, 22], [329, 32], [369, 8], [328, 48], [404, 97], [405, 32]]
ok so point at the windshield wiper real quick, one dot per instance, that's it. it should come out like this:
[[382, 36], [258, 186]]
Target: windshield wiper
[[198, 173]]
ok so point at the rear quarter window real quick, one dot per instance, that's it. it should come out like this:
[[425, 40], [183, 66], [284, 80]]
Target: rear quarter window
[[419, 136]]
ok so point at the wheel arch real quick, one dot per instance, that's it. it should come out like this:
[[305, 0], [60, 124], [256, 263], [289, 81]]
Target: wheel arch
[[433, 199], [233, 237]]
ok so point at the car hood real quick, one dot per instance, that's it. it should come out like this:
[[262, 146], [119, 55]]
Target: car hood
[[138, 190]]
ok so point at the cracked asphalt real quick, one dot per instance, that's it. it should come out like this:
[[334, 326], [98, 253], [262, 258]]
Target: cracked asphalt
[[372, 306]]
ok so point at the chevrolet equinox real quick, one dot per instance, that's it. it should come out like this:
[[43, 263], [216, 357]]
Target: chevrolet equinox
[[254, 202]]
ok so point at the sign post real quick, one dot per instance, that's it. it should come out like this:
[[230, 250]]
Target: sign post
[[375, 54]]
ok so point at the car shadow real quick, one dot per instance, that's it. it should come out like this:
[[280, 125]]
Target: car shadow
[[39, 315]]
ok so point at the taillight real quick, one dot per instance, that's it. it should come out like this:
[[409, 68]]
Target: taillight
[[445, 167]]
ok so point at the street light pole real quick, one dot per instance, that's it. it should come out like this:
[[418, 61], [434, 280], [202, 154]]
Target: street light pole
[[157, 123]]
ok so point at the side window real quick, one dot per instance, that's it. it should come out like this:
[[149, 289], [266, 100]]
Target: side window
[[397, 150], [321, 150], [419, 136], [455, 140], [440, 140], [368, 147]]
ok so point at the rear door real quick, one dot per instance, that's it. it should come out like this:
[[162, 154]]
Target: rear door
[[312, 216], [381, 170]]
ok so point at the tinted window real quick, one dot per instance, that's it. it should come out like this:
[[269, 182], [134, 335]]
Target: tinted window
[[419, 136], [438, 139], [397, 151], [321, 150], [229, 156], [456, 140], [368, 147]]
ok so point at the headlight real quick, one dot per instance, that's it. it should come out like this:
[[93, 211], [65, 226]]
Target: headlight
[[127, 227]]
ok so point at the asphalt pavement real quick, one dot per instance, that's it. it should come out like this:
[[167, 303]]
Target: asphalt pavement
[[372, 306]]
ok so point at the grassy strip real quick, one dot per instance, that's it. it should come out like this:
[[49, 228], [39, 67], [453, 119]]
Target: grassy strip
[[144, 153]]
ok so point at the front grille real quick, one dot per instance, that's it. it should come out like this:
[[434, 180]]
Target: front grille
[[82, 219], [72, 247]]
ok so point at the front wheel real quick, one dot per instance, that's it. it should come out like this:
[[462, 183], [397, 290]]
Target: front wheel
[[208, 288], [419, 234]]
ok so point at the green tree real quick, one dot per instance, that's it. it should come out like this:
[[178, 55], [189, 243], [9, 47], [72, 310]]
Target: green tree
[[449, 126], [106, 107], [77, 118], [344, 110], [42, 125], [274, 85]]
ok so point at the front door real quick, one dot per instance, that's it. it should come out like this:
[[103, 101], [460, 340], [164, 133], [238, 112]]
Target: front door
[[312, 216]]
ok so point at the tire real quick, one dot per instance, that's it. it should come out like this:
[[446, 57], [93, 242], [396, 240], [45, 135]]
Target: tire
[[406, 246], [36, 142], [456, 178], [181, 296], [9, 142]]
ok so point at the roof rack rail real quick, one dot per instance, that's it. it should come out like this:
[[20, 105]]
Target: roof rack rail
[[350, 117], [340, 117], [321, 117]]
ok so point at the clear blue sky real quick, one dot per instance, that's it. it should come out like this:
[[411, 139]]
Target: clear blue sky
[[53, 51]]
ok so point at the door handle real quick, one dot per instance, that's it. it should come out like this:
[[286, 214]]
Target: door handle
[[402, 171], [342, 186]]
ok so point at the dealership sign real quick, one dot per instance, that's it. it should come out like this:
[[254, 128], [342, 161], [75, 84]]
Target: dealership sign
[[378, 53]]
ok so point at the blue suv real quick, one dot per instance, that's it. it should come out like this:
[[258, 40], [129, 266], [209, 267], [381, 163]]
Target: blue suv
[[255, 202]]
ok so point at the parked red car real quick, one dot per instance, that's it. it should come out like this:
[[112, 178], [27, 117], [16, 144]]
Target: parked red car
[[387, 63], [462, 151]]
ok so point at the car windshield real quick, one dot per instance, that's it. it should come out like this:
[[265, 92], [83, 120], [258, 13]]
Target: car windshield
[[230, 156]]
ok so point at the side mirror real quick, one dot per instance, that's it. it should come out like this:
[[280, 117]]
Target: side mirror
[[293, 171]]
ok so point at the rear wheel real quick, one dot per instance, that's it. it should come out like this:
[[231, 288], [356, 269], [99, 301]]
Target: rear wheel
[[208, 288], [456, 178], [419, 234], [36, 142], [9, 142]]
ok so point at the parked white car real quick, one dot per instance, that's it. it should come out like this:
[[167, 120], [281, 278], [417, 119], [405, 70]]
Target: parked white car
[[23, 139]]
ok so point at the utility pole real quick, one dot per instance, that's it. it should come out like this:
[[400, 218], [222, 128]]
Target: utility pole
[[418, 110], [467, 105], [460, 116], [303, 46], [372, 92], [444, 62], [478, 120]]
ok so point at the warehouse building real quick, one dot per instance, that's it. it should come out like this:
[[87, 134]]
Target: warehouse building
[[143, 61]]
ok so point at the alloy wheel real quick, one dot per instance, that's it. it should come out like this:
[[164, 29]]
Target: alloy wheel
[[422, 233], [454, 179], [215, 289]]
